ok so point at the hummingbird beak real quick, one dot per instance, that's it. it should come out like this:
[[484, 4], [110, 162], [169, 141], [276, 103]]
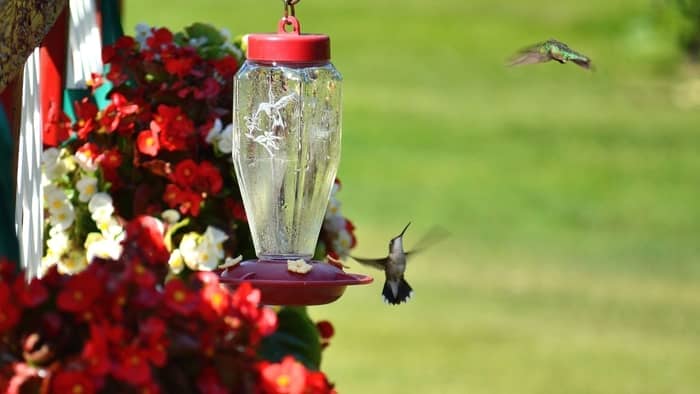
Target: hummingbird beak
[[404, 229]]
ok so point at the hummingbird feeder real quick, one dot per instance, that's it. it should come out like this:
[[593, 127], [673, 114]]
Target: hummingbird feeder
[[286, 151]]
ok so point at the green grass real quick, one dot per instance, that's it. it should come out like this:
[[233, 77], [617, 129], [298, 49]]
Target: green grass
[[572, 198]]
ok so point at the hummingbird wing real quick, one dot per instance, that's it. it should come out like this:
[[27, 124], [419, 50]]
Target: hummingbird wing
[[434, 235], [379, 264], [530, 55]]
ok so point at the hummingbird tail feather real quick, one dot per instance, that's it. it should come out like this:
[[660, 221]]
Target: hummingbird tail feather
[[403, 293]]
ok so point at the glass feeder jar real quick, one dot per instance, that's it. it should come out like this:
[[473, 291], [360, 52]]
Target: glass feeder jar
[[286, 138]]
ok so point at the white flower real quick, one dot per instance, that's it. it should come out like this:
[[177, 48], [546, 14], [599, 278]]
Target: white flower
[[225, 140], [214, 131], [176, 262], [111, 229], [209, 256], [334, 223], [171, 216], [87, 186], [58, 242], [55, 198], [96, 245], [47, 262], [86, 161], [188, 249], [51, 164], [231, 262], [342, 243], [214, 235], [143, 32], [101, 208], [198, 41], [299, 266], [62, 218], [73, 263], [333, 207]]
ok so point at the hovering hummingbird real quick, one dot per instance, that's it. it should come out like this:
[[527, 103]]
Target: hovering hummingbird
[[550, 50], [396, 289]]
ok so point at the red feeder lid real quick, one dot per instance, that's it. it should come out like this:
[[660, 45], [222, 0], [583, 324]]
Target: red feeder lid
[[292, 47]]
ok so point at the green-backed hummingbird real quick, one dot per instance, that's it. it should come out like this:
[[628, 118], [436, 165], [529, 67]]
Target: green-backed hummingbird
[[550, 50], [396, 289]]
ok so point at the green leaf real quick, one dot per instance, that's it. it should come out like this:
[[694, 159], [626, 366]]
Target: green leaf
[[214, 37], [296, 335]]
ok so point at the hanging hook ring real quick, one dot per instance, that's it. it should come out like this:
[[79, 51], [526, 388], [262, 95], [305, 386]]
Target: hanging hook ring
[[289, 7]]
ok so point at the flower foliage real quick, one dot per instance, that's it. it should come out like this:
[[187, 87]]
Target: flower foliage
[[141, 203], [129, 326]]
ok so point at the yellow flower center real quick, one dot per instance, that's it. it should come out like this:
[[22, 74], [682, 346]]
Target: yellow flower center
[[78, 389], [283, 381], [179, 296]]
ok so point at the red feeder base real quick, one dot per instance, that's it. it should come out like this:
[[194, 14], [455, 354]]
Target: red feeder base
[[324, 284]]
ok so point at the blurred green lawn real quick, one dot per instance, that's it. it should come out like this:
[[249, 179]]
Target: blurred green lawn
[[572, 198]]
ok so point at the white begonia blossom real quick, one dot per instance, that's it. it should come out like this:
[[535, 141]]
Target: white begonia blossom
[[225, 141], [55, 198], [87, 187], [86, 161], [188, 249], [209, 256], [63, 217], [72, 263], [51, 164], [143, 32], [333, 207], [213, 133], [342, 243], [101, 208], [171, 216], [214, 235], [111, 229], [96, 245], [176, 261], [58, 242]]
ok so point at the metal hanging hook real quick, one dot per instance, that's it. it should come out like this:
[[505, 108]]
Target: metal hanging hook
[[289, 7]]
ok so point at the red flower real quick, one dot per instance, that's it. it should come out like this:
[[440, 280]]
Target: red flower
[[30, 294], [287, 377], [178, 298], [110, 159], [86, 112], [72, 382], [179, 66], [226, 66], [90, 152], [174, 128], [210, 89], [266, 323], [216, 298], [317, 383], [160, 38], [132, 366], [208, 179], [95, 351], [173, 195], [146, 234], [246, 300], [117, 111], [80, 292], [191, 202], [9, 313], [186, 172], [58, 127], [96, 80], [147, 142], [236, 209], [210, 383], [325, 329]]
